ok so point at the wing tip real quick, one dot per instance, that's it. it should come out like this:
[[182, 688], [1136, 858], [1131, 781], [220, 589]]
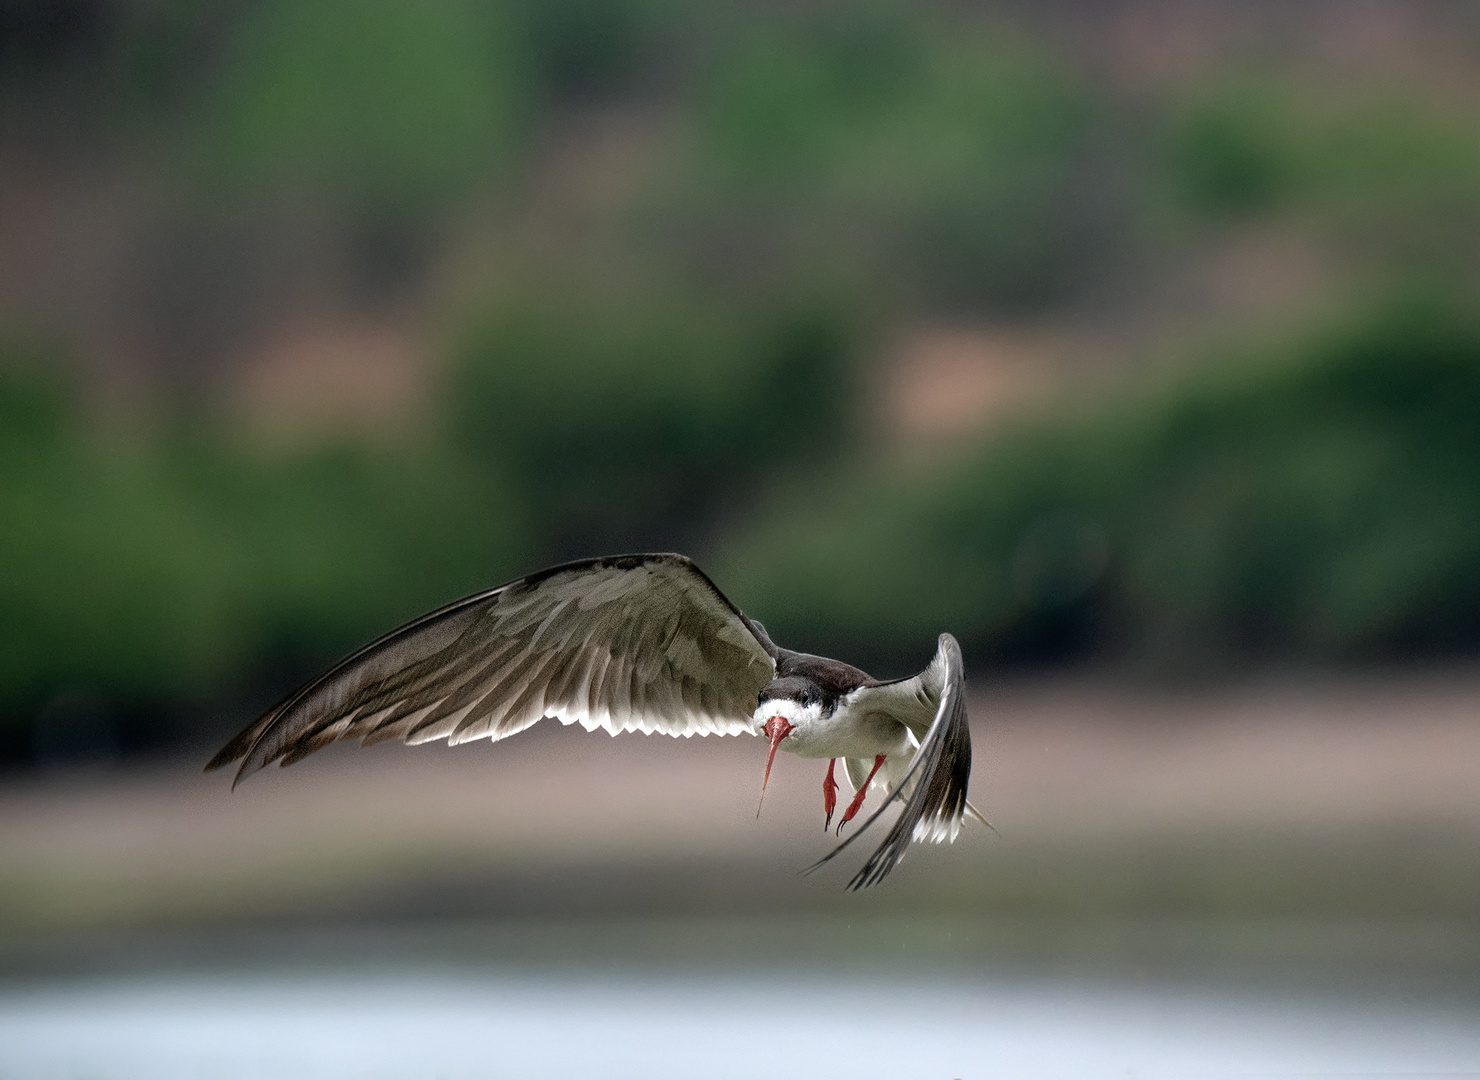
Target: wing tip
[[239, 746], [235, 750], [896, 844], [242, 745]]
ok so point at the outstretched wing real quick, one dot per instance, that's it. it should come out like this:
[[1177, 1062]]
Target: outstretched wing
[[933, 791], [627, 643]]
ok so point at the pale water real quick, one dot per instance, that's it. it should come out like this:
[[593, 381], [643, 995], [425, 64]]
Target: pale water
[[512, 1025]]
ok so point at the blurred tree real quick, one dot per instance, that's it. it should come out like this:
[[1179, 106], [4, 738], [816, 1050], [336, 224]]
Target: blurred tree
[[589, 50], [630, 420], [958, 164], [1395, 177], [1234, 148], [1316, 501], [177, 569], [391, 102]]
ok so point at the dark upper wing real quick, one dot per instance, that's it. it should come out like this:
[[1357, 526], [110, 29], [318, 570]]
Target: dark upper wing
[[627, 643], [933, 792]]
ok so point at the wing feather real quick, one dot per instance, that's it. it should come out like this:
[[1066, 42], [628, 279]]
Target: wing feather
[[629, 643], [933, 791]]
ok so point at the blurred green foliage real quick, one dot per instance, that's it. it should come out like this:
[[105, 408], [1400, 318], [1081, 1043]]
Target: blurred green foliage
[[181, 568], [956, 169], [1382, 168], [1316, 500], [391, 101], [1233, 150], [630, 420], [593, 49]]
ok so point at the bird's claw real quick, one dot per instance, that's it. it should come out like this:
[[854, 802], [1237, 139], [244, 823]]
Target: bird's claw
[[829, 794], [857, 803]]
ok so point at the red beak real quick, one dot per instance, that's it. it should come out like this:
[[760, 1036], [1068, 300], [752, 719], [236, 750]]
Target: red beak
[[776, 729]]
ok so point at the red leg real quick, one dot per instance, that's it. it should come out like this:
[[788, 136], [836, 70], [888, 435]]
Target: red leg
[[859, 794], [829, 793]]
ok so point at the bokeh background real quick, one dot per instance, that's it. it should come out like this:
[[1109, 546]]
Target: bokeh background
[[1136, 343]]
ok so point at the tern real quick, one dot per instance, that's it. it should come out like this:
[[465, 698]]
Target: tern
[[642, 643]]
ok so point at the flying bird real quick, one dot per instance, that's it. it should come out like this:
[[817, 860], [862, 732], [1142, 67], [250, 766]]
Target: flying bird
[[642, 643]]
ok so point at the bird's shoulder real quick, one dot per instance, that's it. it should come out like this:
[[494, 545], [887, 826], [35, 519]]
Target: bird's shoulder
[[833, 677]]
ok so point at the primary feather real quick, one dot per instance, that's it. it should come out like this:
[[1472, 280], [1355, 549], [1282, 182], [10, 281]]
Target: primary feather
[[631, 643]]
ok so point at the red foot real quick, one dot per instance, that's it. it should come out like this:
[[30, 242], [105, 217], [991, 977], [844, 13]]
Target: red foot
[[829, 793], [859, 794]]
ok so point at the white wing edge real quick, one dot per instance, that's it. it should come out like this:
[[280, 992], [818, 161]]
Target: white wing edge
[[944, 678]]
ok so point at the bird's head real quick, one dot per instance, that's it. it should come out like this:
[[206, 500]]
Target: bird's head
[[782, 710]]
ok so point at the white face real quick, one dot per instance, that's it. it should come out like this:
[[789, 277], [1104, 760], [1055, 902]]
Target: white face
[[803, 717]]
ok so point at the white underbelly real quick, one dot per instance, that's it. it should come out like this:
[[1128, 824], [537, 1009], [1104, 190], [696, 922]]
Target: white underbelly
[[851, 733]]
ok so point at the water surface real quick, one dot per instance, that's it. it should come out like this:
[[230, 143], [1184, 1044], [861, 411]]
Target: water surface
[[385, 1025]]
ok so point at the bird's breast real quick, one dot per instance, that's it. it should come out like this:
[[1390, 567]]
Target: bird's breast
[[849, 732]]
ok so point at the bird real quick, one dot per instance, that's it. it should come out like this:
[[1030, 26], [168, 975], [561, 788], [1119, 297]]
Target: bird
[[648, 643]]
